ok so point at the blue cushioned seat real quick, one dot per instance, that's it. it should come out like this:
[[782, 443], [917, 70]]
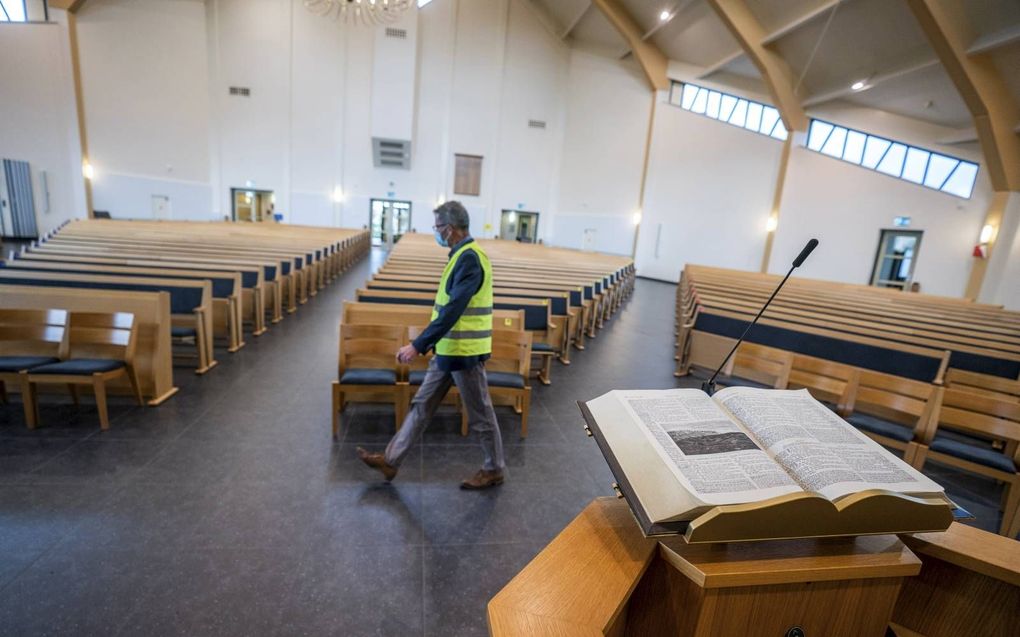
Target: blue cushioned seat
[[80, 366], [542, 347], [980, 455], [369, 377], [18, 363], [182, 332], [736, 381], [881, 427], [416, 377], [505, 379]]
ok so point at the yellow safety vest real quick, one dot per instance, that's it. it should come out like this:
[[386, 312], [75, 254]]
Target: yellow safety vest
[[471, 335]]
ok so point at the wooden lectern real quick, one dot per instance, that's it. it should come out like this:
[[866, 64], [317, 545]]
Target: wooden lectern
[[602, 576]]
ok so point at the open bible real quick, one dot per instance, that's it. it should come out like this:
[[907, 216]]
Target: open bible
[[756, 464]]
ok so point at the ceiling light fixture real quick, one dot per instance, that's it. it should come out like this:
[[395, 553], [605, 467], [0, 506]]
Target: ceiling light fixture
[[859, 85], [664, 16], [361, 12]]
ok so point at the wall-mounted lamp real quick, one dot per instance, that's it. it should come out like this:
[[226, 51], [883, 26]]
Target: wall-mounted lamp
[[338, 194], [987, 233], [771, 223], [87, 170], [636, 217]]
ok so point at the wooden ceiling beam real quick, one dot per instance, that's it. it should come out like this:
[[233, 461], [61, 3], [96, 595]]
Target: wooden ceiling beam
[[577, 20], [652, 60], [71, 6], [773, 68], [994, 110]]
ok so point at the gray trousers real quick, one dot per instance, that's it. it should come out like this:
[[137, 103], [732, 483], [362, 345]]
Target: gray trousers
[[474, 393]]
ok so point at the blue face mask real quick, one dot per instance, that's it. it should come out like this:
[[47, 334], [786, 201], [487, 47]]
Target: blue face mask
[[440, 240]]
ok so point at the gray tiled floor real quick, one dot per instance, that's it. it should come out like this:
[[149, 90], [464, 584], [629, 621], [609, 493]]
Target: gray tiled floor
[[229, 510]]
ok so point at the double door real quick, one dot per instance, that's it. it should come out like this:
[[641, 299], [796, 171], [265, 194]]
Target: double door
[[389, 220]]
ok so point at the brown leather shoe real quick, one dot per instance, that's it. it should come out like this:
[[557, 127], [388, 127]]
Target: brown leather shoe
[[378, 461], [483, 480]]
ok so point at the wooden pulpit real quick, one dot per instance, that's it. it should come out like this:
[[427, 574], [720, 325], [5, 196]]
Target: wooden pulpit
[[602, 576]]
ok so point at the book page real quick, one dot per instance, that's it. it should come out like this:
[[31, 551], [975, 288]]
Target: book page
[[708, 452], [822, 452]]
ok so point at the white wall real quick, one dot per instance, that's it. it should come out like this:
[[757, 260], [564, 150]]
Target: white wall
[[145, 88], [38, 121], [483, 70], [708, 194], [607, 113], [845, 207]]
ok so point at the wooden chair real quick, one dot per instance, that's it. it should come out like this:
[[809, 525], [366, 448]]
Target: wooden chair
[[758, 366], [891, 410], [975, 383], [28, 339], [368, 369], [963, 427], [826, 381], [508, 371], [96, 348]]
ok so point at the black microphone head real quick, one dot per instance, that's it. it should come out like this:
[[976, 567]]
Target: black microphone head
[[811, 245]]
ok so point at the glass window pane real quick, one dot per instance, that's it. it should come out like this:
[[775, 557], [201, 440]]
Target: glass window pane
[[699, 101], [688, 98], [961, 183], [15, 10], [854, 150], [753, 116], [873, 151], [913, 168], [713, 105], [892, 163], [818, 134], [780, 132], [834, 147], [739, 113], [726, 107], [768, 119], [938, 170]]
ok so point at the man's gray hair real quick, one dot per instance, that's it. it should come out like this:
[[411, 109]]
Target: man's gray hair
[[453, 213]]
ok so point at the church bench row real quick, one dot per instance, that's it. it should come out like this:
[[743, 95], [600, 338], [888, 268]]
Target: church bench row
[[226, 290], [547, 336], [882, 312], [599, 300], [190, 299], [368, 372], [914, 306], [318, 244], [563, 313], [153, 360], [968, 353], [716, 310]]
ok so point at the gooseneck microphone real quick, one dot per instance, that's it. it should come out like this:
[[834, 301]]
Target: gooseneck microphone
[[709, 386]]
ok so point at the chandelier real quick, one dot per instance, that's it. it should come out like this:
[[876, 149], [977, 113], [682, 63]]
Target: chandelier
[[360, 12]]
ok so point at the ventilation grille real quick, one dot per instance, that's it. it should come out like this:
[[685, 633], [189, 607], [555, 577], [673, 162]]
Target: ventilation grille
[[536, 123], [391, 153], [242, 91], [396, 33]]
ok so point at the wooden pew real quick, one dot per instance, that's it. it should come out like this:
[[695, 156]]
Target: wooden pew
[[190, 299], [153, 356]]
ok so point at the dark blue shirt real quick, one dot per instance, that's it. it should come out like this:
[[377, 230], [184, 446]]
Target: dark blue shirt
[[463, 283]]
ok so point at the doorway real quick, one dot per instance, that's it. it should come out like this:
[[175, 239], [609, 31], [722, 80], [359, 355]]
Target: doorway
[[389, 220], [251, 205], [895, 258], [518, 225]]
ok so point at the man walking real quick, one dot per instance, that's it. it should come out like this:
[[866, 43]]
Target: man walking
[[461, 334]]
